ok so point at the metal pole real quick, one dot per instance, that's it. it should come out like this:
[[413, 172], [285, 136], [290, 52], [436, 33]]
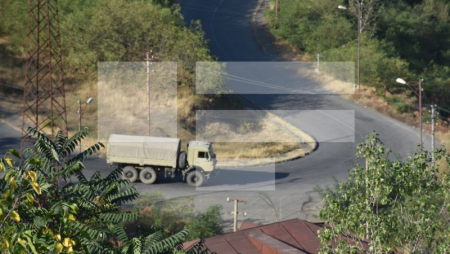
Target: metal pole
[[367, 198], [235, 214], [433, 118], [359, 44], [148, 91], [318, 62], [277, 4], [420, 112], [79, 119]]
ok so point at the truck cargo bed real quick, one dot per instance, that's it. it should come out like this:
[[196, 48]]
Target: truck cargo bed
[[143, 150]]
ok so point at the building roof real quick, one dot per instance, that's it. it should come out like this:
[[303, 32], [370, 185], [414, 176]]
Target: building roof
[[291, 236]]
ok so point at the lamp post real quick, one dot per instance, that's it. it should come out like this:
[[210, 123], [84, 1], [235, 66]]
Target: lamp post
[[358, 16], [149, 60], [419, 94], [318, 62], [80, 112]]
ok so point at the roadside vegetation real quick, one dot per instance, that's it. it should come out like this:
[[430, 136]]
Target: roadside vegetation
[[47, 205], [173, 216], [388, 205], [400, 39]]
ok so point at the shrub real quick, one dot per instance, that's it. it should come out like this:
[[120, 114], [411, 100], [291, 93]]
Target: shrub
[[40, 212], [174, 215]]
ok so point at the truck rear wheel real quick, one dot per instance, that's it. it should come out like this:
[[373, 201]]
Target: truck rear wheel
[[147, 175], [195, 178], [182, 160], [130, 173]]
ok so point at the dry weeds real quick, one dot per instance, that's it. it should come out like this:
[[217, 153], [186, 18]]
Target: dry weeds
[[125, 109]]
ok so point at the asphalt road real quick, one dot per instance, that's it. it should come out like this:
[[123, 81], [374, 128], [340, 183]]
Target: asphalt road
[[227, 24]]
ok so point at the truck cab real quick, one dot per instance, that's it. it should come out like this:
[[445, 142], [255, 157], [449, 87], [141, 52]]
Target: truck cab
[[201, 155], [201, 160]]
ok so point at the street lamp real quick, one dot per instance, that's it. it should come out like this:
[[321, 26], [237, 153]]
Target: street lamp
[[80, 112], [419, 94], [358, 18]]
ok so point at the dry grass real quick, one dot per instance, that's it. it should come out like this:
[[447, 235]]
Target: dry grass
[[132, 120], [367, 96], [267, 131], [252, 150], [444, 138], [125, 110]]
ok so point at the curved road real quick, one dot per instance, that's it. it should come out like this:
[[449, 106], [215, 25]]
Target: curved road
[[227, 24]]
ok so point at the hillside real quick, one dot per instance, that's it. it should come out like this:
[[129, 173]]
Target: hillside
[[95, 33]]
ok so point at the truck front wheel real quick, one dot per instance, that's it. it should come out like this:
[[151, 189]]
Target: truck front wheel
[[130, 173], [147, 175], [195, 178]]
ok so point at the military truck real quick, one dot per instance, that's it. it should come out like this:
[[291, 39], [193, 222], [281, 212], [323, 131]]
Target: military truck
[[148, 158]]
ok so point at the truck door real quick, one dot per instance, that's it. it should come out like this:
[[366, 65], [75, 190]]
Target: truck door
[[202, 160]]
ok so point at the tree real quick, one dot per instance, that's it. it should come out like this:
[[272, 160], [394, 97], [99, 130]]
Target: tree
[[41, 212], [368, 11], [120, 30], [391, 205]]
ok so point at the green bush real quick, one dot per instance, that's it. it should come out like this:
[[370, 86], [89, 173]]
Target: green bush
[[377, 69], [398, 206], [206, 224], [116, 30], [409, 39], [175, 215], [42, 212], [400, 107]]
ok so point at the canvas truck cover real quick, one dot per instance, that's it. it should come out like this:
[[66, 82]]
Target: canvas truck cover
[[143, 150]]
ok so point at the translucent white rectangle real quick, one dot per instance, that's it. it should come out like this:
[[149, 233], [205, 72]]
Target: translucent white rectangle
[[275, 125], [242, 126], [274, 78], [241, 176], [123, 99], [323, 125]]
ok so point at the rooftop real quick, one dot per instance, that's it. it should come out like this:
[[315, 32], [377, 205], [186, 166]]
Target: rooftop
[[291, 236]]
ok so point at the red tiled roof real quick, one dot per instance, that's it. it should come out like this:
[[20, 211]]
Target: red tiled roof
[[232, 243], [267, 244], [247, 224], [287, 237], [292, 237]]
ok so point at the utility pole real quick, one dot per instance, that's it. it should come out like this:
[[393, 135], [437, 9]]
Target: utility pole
[[367, 200], [420, 112], [359, 42], [148, 59], [358, 14], [419, 94], [433, 123], [277, 6], [235, 212], [80, 113], [79, 120], [44, 95]]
